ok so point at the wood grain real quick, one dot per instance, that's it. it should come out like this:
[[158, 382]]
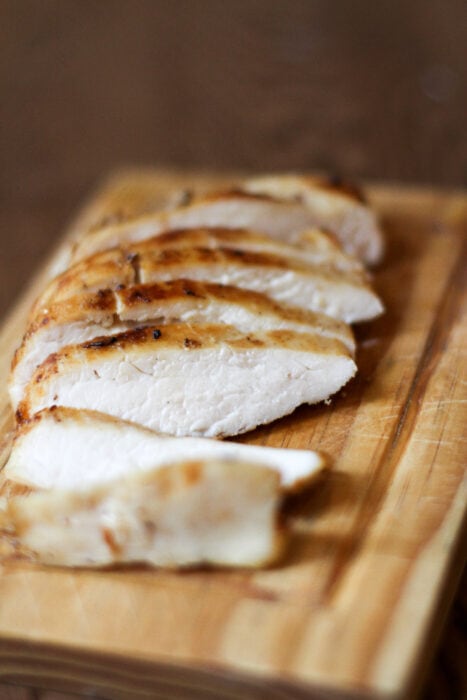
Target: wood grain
[[354, 608]]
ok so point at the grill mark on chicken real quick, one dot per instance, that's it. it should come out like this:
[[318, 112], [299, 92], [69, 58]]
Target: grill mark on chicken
[[209, 335], [218, 256], [132, 337], [101, 342]]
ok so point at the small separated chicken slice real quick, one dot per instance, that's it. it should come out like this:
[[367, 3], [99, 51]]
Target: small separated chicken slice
[[209, 380], [67, 448], [344, 295], [88, 315], [337, 207], [185, 514], [283, 219]]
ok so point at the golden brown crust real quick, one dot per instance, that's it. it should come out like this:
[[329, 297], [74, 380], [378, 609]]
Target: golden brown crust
[[183, 336], [109, 268], [254, 301], [151, 260], [78, 308], [120, 267], [83, 306]]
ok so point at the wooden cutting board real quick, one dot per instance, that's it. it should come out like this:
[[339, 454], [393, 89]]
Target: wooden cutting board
[[354, 608]]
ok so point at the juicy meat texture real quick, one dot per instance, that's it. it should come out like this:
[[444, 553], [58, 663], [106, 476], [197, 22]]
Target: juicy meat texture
[[209, 380], [339, 208], [284, 218], [185, 514], [66, 448], [345, 295], [104, 313]]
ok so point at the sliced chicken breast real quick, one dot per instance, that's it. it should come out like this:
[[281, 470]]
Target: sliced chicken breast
[[67, 448], [337, 207], [88, 315], [208, 380], [313, 246], [195, 302], [186, 514], [344, 295], [283, 219]]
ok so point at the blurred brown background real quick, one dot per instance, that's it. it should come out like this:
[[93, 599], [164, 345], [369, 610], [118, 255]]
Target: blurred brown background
[[366, 89]]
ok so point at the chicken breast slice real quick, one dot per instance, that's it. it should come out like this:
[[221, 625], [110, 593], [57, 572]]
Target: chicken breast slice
[[313, 246], [88, 315], [343, 295], [208, 380], [341, 209], [282, 218], [67, 448], [186, 514]]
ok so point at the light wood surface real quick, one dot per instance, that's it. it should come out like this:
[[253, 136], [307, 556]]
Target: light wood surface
[[354, 608]]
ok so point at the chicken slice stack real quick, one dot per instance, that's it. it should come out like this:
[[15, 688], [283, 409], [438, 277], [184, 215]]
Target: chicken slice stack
[[198, 321]]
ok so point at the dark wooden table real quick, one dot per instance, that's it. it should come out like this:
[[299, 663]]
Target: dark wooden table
[[370, 90]]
